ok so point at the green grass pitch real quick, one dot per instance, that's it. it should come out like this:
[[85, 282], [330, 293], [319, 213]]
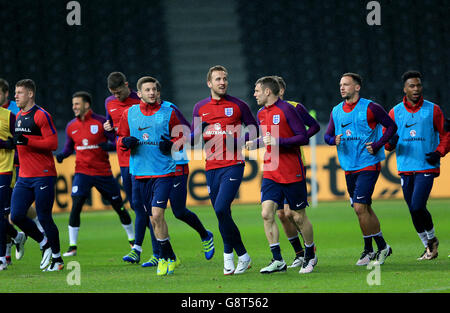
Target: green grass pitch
[[102, 244]]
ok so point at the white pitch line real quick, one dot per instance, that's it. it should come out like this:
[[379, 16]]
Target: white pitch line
[[432, 289]]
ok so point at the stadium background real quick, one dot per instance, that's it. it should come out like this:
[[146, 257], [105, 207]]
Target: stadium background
[[309, 43]]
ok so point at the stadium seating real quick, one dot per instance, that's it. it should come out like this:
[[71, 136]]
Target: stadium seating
[[37, 43], [311, 43]]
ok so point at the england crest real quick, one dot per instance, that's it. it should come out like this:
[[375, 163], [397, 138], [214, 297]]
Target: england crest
[[228, 111], [276, 119], [94, 129]]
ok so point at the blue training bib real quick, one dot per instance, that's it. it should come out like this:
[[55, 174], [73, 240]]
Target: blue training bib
[[146, 159], [417, 137], [356, 132]]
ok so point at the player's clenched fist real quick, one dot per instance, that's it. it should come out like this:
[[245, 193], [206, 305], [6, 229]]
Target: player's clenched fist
[[269, 140], [107, 126]]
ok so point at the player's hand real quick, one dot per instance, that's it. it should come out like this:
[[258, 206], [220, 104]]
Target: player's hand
[[107, 146], [130, 142], [369, 147], [9, 143], [393, 141], [107, 126], [20, 140], [165, 145], [433, 158], [338, 139], [269, 140], [59, 157], [250, 145]]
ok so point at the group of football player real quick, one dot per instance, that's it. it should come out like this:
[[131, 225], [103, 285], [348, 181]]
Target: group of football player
[[152, 139]]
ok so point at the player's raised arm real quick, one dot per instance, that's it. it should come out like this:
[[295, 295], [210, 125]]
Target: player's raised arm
[[381, 117], [249, 121], [300, 137], [258, 141], [392, 142], [108, 125], [308, 120]]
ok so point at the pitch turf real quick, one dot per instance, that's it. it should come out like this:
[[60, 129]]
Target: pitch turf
[[102, 243]]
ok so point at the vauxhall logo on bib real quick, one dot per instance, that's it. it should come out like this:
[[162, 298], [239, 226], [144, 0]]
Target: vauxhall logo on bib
[[414, 136]]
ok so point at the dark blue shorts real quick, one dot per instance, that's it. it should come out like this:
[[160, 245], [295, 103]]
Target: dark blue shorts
[[106, 185], [127, 184], [178, 193], [223, 184], [5, 194], [304, 190], [27, 190], [152, 192], [294, 193], [360, 186], [416, 189]]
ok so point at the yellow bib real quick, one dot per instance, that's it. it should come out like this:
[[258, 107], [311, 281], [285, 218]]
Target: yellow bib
[[6, 155], [294, 104]]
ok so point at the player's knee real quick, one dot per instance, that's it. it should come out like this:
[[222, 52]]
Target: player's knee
[[9, 219], [180, 214], [157, 215], [360, 208], [16, 217], [31, 213], [299, 217], [281, 214], [46, 220], [285, 215], [417, 207], [138, 208], [267, 215], [221, 212]]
